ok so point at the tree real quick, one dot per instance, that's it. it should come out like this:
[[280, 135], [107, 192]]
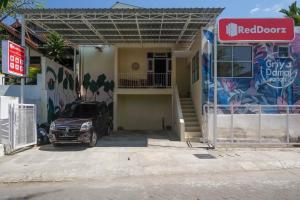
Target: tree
[[8, 8], [293, 12], [55, 47]]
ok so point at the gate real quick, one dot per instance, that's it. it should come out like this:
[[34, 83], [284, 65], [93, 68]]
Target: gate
[[22, 126]]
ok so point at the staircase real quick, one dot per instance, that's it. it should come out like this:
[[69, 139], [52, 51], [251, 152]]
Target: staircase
[[192, 126]]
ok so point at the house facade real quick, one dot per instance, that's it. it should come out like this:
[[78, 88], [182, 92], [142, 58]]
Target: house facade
[[153, 68]]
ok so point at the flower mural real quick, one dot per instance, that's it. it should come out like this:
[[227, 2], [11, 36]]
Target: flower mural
[[275, 80]]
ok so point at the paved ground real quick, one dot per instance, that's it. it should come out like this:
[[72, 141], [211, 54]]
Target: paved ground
[[263, 185], [136, 166]]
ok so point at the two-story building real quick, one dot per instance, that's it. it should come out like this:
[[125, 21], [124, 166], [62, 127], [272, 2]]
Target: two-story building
[[140, 61], [154, 68]]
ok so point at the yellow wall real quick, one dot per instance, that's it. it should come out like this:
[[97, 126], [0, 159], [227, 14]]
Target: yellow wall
[[196, 88], [144, 112], [183, 76], [127, 56]]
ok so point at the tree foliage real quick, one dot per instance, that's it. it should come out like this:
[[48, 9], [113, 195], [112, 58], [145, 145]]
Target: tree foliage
[[8, 8], [55, 47], [293, 12]]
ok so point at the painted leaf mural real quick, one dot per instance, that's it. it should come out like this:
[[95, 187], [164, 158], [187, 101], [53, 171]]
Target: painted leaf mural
[[65, 84], [60, 85], [71, 82], [60, 75], [100, 80], [86, 81], [93, 87]]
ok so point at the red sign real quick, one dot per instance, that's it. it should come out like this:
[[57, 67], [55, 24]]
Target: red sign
[[13, 58], [260, 30]]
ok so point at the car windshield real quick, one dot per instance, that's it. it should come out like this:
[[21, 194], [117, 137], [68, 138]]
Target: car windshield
[[81, 111]]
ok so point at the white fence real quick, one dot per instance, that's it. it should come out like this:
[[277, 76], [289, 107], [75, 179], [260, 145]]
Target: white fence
[[22, 126], [252, 124]]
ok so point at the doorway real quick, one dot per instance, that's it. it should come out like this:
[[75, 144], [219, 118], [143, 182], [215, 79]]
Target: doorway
[[160, 70]]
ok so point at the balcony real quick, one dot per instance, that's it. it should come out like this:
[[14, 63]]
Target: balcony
[[145, 80]]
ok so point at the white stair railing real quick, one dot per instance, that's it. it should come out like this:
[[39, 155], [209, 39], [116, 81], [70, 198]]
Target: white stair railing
[[179, 123]]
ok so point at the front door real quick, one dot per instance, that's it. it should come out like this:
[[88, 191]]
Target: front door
[[160, 71]]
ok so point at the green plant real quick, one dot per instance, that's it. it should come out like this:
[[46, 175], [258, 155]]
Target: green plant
[[86, 83], [94, 88], [55, 47], [3, 3], [293, 12], [8, 8]]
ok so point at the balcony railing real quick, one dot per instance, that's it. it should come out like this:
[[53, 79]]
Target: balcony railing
[[145, 80]]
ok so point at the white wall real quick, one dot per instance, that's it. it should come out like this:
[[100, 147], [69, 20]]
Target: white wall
[[58, 95], [95, 63], [246, 126]]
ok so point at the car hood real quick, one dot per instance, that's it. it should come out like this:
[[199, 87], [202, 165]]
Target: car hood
[[70, 122]]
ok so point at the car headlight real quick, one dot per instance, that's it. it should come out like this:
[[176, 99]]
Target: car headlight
[[86, 126], [52, 126]]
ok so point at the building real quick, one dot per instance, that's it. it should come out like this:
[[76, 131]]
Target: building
[[153, 67]]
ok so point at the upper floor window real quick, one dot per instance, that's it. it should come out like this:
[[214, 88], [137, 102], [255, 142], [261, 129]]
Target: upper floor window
[[234, 61]]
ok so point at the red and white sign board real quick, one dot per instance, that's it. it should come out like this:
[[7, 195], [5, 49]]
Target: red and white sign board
[[13, 59], [256, 29]]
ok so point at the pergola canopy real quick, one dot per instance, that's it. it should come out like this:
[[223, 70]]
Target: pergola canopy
[[121, 26]]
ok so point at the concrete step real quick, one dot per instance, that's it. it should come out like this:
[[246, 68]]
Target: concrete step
[[191, 123], [192, 134], [186, 101], [187, 106], [188, 110], [193, 139], [190, 119], [193, 129], [184, 98], [189, 115]]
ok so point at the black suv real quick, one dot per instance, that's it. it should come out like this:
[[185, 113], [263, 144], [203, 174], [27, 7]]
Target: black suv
[[84, 123]]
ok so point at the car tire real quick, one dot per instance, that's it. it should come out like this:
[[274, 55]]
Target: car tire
[[94, 139], [55, 144]]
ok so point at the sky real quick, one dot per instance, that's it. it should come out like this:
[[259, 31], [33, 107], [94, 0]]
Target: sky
[[233, 8]]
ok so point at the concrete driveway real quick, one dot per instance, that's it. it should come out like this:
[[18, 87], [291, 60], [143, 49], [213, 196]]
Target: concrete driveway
[[137, 154]]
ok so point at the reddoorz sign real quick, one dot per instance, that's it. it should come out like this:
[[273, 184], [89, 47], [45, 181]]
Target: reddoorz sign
[[13, 58], [273, 29]]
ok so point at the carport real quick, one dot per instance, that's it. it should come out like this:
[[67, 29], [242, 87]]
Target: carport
[[174, 30]]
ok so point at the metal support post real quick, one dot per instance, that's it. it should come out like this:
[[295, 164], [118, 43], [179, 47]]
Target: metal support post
[[23, 44], [231, 122], [259, 125], [288, 124], [215, 86]]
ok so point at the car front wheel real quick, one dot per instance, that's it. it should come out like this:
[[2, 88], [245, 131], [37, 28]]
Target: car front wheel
[[93, 140]]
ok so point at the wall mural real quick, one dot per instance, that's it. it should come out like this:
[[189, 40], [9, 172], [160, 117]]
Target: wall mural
[[275, 81], [60, 89], [101, 89]]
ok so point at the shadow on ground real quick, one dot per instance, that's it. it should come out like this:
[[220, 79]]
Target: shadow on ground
[[118, 139]]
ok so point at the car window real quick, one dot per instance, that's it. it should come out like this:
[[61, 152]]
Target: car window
[[85, 111]]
